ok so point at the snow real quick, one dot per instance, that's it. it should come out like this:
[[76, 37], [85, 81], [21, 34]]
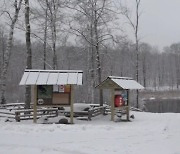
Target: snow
[[128, 84], [148, 133], [78, 107], [52, 77]]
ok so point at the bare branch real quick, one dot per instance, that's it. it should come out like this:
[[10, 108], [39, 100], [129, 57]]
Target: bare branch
[[7, 14]]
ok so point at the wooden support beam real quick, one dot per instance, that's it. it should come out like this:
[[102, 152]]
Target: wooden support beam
[[112, 105], [72, 104], [35, 105], [127, 109]]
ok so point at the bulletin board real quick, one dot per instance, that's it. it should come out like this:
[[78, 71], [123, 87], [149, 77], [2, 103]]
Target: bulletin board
[[53, 95]]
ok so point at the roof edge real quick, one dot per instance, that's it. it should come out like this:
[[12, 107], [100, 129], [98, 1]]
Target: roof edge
[[55, 71], [117, 77]]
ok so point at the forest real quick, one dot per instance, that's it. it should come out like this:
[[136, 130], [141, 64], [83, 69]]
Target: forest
[[88, 35]]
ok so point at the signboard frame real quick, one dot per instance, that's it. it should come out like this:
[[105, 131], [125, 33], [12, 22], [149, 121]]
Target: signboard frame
[[53, 95]]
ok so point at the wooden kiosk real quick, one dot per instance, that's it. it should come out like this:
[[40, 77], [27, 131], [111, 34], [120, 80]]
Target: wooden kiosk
[[120, 87], [52, 88]]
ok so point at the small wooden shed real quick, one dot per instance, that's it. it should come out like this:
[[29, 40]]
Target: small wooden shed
[[52, 88], [120, 85]]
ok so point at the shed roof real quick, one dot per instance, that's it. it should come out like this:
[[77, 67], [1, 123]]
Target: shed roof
[[51, 77], [119, 82]]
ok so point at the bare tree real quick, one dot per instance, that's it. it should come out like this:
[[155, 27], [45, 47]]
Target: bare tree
[[175, 50], [40, 20], [45, 39], [55, 17], [29, 52], [48, 16], [145, 50], [135, 27], [52, 8], [93, 17], [41, 17], [17, 7], [3, 42]]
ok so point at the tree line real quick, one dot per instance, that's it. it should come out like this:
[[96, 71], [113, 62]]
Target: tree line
[[80, 34]]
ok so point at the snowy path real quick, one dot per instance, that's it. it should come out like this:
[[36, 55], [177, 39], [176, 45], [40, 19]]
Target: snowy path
[[147, 134]]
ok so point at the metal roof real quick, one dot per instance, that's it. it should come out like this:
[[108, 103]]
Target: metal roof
[[120, 82], [52, 77]]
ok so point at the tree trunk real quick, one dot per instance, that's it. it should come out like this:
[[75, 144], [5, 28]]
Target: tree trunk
[[92, 73], [144, 74], [98, 62], [3, 48], [45, 42], [135, 26], [53, 10], [137, 70], [99, 75], [137, 48], [54, 39], [29, 53], [8, 50]]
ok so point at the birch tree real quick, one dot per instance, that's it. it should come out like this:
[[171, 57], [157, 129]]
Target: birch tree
[[48, 16], [45, 40], [29, 52], [134, 23], [52, 6], [55, 18], [40, 19], [17, 7], [93, 17]]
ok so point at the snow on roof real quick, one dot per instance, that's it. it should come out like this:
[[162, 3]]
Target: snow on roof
[[51, 77], [118, 77], [120, 82]]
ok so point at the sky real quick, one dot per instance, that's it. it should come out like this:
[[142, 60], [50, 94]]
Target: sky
[[159, 22]]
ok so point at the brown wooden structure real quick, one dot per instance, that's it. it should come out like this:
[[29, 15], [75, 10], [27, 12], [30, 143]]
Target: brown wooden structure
[[52, 88], [119, 84]]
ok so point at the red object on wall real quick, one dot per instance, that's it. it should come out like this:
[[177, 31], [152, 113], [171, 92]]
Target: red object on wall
[[118, 101]]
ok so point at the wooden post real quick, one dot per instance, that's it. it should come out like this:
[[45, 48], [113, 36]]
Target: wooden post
[[72, 104], [127, 108], [112, 104], [17, 116], [35, 104]]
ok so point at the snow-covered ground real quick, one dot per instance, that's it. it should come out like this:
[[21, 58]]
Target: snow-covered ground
[[148, 133]]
